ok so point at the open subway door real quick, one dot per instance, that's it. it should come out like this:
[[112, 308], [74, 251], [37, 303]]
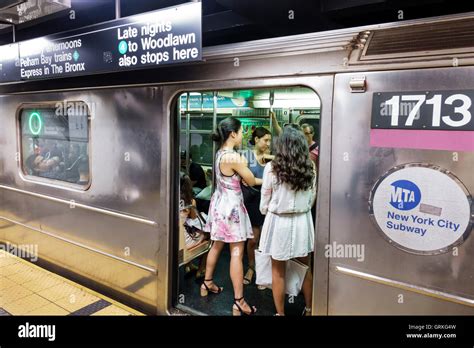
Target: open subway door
[[401, 204], [200, 111]]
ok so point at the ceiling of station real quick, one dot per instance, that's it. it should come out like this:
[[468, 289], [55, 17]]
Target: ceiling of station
[[22, 11], [224, 21]]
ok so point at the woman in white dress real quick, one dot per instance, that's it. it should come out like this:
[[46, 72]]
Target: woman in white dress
[[288, 193]]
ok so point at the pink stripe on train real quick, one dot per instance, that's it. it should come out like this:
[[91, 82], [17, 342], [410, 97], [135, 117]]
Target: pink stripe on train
[[423, 139]]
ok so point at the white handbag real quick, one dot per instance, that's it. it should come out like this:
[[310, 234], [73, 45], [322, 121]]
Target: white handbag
[[263, 269], [294, 278]]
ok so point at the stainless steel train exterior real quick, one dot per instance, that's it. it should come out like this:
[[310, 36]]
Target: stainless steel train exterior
[[119, 235]]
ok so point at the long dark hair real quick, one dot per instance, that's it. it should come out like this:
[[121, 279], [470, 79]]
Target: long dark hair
[[292, 164], [186, 190], [224, 129], [259, 132]]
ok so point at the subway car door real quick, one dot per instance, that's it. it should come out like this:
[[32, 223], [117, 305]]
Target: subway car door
[[322, 86], [401, 186]]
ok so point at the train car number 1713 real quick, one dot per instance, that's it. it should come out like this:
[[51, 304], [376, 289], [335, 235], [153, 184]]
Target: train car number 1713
[[437, 110]]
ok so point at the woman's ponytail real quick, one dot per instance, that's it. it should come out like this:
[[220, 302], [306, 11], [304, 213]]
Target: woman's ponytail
[[216, 137], [224, 129]]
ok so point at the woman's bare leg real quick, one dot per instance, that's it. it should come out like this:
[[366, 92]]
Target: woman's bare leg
[[237, 273], [307, 287], [211, 262], [252, 244], [278, 285]]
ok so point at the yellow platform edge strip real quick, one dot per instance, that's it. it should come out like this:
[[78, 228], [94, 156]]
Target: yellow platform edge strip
[[72, 283]]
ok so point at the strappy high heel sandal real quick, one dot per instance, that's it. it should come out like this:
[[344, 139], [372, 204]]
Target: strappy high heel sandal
[[207, 289], [239, 310], [306, 312], [248, 280]]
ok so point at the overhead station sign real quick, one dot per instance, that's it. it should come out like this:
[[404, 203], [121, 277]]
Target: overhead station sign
[[169, 36]]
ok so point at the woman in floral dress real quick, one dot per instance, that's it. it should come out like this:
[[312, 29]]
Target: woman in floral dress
[[228, 220]]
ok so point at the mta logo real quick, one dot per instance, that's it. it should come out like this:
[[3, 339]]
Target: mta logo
[[405, 195]]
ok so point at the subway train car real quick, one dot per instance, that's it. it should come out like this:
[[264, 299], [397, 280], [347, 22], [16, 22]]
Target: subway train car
[[391, 105]]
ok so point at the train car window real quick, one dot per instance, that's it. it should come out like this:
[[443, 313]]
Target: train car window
[[201, 149], [182, 140], [205, 122], [55, 142]]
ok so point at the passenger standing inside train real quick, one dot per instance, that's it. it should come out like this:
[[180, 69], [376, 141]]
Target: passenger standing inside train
[[228, 220], [288, 193], [276, 126], [256, 157], [308, 131]]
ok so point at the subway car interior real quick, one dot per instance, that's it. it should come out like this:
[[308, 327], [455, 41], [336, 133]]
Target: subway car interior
[[200, 111]]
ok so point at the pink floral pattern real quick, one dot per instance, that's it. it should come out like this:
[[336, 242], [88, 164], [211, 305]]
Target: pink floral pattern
[[228, 218]]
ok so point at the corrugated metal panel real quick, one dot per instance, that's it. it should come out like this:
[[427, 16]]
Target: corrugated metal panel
[[313, 42], [425, 37]]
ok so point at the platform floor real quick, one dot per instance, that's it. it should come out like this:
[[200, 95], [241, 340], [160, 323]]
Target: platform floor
[[26, 289]]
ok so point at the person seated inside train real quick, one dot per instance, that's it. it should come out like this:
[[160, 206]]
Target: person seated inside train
[[71, 163], [183, 170], [196, 173], [51, 149], [83, 169], [203, 198], [193, 222], [73, 155], [43, 147], [206, 153], [40, 166], [56, 151], [30, 164]]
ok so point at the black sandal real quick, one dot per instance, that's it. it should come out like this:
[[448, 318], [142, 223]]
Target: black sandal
[[239, 310], [207, 290]]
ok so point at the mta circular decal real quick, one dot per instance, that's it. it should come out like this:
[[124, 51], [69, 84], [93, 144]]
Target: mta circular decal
[[406, 195], [421, 209]]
